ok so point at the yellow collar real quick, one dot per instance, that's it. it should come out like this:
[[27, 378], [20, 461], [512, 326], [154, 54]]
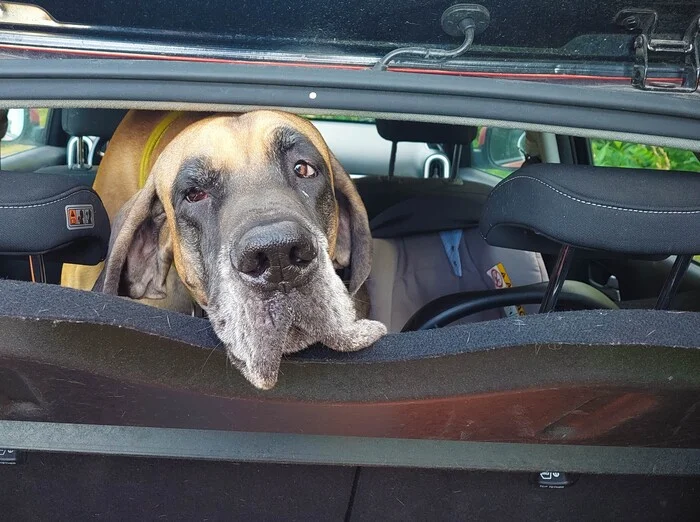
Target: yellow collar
[[152, 143]]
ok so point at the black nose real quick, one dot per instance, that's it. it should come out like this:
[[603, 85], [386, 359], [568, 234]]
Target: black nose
[[275, 256]]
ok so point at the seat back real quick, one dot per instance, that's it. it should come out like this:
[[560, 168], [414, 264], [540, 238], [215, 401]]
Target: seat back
[[427, 245], [50, 218]]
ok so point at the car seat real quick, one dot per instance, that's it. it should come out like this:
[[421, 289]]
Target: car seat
[[49, 219], [426, 241]]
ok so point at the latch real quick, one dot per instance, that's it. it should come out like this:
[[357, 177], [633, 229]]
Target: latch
[[649, 45], [465, 20]]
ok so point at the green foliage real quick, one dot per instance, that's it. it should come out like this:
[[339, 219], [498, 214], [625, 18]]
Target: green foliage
[[621, 154]]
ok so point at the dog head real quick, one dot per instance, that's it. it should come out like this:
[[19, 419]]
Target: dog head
[[256, 214]]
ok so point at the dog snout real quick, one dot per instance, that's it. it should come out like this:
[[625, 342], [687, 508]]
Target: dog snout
[[277, 256]]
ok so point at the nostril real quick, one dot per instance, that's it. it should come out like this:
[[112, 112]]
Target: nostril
[[254, 263], [302, 255]]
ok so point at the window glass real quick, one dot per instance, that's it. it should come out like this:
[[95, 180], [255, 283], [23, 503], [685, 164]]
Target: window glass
[[26, 129], [362, 151], [632, 155], [498, 151]]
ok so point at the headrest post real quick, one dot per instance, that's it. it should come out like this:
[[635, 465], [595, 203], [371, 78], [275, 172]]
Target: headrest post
[[392, 159], [557, 278], [456, 160], [37, 269], [80, 153], [673, 281]]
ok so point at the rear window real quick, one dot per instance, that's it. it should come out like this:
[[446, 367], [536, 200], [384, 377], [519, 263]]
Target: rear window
[[575, 42], [26, 129], [363, 152], [497, 151]]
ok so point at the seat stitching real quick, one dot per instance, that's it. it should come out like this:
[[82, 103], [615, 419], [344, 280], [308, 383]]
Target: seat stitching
[[44, 204], [600, 205]]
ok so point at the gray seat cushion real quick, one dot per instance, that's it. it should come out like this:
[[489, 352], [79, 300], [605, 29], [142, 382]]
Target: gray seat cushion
[[414, 223], [409, 272]]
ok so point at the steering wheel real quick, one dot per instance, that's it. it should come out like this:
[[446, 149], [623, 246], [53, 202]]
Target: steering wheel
[[444, 310]]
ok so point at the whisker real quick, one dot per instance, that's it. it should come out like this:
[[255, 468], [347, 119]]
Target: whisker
[[209, 356]]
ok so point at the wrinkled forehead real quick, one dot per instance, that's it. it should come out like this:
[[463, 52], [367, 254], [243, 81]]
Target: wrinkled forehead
[[232, 142]]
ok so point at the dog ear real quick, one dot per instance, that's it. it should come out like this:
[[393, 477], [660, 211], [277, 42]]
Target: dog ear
[[140, 250], [353, 245]]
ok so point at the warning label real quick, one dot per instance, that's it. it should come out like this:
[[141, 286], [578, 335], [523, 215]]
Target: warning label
[[80, 216], [500, 279]]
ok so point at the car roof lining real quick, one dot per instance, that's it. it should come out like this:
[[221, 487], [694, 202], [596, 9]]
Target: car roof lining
[[646, 139]]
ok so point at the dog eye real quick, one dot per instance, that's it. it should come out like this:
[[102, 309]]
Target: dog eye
[[193, 195], [304, 170]]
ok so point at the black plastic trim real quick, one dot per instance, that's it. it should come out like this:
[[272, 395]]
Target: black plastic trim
[[617, 109], [355, 451]]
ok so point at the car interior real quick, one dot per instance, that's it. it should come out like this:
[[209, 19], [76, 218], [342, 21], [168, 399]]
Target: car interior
[[558, 329], [531, 176]]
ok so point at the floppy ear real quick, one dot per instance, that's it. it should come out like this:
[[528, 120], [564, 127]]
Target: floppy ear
[[353, 245], [140, 250]]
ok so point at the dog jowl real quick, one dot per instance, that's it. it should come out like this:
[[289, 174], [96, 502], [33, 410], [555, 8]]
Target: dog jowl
[[256, 215]]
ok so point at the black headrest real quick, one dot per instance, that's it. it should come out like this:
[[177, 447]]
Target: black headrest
[[633, 212], [91, 122], [399, 207], [45, 213], [421, 132]]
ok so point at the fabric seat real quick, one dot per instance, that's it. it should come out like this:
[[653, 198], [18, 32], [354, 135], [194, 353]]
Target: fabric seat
[[52, 218], [409, 272], [426, 241], [597, 210], [413, 260]]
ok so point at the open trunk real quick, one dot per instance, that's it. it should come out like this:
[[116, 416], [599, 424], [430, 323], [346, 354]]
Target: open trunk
[[116, 410]]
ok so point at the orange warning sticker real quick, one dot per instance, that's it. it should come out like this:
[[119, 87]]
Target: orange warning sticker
[[80, 216]]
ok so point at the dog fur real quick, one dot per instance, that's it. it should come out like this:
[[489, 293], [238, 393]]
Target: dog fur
[[243, 164]]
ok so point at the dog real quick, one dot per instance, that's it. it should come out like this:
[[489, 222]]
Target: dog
[[254, 214]]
